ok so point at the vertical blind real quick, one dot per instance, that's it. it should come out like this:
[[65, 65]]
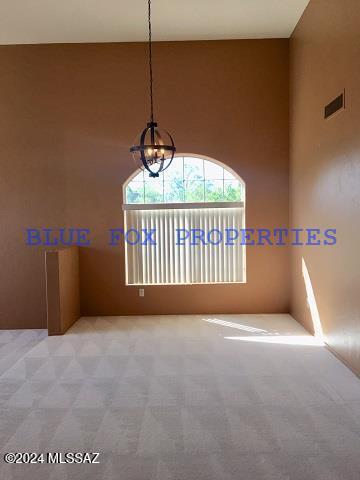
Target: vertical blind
[[170, 263]]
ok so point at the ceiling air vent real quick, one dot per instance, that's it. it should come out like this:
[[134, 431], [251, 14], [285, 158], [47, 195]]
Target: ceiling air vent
[[337, 104]]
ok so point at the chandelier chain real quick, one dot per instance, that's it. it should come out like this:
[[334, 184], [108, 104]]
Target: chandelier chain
[[150, 64]]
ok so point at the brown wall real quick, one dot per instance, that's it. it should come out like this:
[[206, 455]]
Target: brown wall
[[325, 168], [62, 289], [69, 114]]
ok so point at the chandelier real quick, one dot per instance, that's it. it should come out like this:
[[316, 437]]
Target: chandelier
[[154, 148]]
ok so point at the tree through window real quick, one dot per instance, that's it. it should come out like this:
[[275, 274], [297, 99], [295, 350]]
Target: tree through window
[[187, 180]]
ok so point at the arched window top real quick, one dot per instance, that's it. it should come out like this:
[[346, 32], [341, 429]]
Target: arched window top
[[189, 179]]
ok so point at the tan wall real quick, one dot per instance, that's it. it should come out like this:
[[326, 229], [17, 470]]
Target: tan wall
[[325, 168], [62, 289], [69, 114]]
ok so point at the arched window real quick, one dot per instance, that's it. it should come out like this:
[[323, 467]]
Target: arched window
[[184, 227], [188, 180]]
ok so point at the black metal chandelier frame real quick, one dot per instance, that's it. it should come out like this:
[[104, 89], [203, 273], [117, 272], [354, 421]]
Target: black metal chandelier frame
[[154, 152]]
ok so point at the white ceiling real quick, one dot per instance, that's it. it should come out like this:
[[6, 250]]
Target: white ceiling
[[71, 21]]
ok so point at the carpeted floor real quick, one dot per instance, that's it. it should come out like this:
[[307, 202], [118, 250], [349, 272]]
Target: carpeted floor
[[233, 397], [16, 343]]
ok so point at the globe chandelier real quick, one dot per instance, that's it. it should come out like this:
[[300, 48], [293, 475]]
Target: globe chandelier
[[154, 149]]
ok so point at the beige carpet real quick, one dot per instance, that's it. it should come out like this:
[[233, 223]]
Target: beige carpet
[[183, 398], [16, 343]]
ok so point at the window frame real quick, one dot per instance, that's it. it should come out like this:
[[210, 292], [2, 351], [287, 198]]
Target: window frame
[[188, 205]]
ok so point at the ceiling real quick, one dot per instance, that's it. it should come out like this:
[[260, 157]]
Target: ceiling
[[73, 21]]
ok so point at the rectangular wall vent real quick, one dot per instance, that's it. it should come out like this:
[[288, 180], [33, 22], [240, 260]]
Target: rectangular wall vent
[[335, 106]]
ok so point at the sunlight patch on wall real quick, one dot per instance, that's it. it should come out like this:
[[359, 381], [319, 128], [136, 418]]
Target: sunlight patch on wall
[[312, 303]]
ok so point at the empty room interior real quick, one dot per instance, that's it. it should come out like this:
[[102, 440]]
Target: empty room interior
[[180, 225]]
